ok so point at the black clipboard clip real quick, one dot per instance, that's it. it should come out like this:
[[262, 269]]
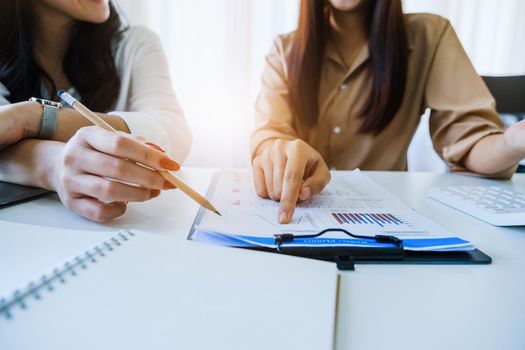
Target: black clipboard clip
[[345, 257]]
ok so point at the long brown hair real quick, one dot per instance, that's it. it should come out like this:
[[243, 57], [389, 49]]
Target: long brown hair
[[388, 47]]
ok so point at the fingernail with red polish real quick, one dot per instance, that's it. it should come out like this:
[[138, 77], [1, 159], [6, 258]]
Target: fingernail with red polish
[[154, 193], [169, 164], [169, 185], [157, 147]]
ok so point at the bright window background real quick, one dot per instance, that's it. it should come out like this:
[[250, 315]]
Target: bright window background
[[216, 51]]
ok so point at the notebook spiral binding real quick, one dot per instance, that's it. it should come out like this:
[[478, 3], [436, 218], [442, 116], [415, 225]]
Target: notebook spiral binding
[[60, 275]]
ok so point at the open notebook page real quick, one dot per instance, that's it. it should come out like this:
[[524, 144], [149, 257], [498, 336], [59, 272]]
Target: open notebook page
[[152, 292]]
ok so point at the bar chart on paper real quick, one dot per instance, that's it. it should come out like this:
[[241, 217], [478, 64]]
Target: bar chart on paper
[[351, 202], [379, 219]]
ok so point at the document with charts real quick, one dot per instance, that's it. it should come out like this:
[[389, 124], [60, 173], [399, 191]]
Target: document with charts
[[351, 201]]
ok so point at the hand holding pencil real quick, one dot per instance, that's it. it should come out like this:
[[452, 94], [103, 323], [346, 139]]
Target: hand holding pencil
[[149, 163]]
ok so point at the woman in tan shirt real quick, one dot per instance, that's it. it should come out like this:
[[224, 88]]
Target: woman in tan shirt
[[347, 89]]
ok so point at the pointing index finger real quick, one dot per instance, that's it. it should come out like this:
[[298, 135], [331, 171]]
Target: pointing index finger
[[293, 178]]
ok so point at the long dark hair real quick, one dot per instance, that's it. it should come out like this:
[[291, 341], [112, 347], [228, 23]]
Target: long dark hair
[[388, 46], [88, 63]]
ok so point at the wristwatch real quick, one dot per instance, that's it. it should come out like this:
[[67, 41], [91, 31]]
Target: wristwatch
[[48, 122]]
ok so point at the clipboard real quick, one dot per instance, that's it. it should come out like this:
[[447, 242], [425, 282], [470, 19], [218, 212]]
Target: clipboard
[[347, 257]]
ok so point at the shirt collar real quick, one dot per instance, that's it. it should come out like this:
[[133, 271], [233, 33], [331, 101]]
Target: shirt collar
[[363, 56], [331, 54]]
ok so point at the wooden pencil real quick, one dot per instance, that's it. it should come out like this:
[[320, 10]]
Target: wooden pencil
[[95, 119]]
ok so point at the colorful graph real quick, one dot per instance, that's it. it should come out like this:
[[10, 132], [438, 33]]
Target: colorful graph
[[380, 219]]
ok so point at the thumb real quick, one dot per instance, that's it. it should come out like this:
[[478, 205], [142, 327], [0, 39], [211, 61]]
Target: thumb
[[315, 183]]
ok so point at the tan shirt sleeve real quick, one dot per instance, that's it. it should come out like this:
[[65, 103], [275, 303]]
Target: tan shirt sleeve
[[462, 108], [273, 116]]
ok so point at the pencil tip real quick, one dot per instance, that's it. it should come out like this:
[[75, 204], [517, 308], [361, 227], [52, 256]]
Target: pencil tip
[[217, 212]]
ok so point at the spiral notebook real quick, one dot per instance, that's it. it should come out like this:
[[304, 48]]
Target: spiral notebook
[[140, 290]]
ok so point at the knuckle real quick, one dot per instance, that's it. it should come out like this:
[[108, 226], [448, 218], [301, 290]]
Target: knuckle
[[265, 155], [107, 190], [297, 143], [66, 180], [298, 148], [119, 142], [264, 161], [117, 167], [82, 132], [148, 156], [120, 168], [68, 158], [278, 144], [278, 157], [293, 177], [137, 138], [275, 149]]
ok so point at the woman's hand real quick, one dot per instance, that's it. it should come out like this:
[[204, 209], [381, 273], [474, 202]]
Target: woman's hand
[[18, 121], [514, 138], [97, 173], [288, 171]]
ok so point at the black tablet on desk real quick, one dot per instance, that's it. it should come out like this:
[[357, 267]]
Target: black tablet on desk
[[11, 193]]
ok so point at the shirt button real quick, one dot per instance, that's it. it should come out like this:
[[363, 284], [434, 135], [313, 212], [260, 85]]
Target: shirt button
[[343, 87], [337, 130]]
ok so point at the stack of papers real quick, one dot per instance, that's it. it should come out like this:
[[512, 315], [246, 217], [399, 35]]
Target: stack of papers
[[351, 201]]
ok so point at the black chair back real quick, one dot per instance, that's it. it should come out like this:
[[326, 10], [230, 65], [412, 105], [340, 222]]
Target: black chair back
[[509, 93]]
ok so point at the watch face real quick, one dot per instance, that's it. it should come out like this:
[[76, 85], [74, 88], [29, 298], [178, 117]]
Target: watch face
[[46, 102], [52, 103]]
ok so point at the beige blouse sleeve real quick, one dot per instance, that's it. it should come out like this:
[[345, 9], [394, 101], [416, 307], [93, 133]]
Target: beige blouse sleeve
[[273, 116], [462, 108]]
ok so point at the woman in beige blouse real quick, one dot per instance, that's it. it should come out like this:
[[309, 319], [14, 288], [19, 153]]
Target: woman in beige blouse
[[346, 90]]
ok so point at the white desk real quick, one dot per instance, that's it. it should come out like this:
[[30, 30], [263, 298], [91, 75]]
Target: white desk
[[438, 307], [379, 306]]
